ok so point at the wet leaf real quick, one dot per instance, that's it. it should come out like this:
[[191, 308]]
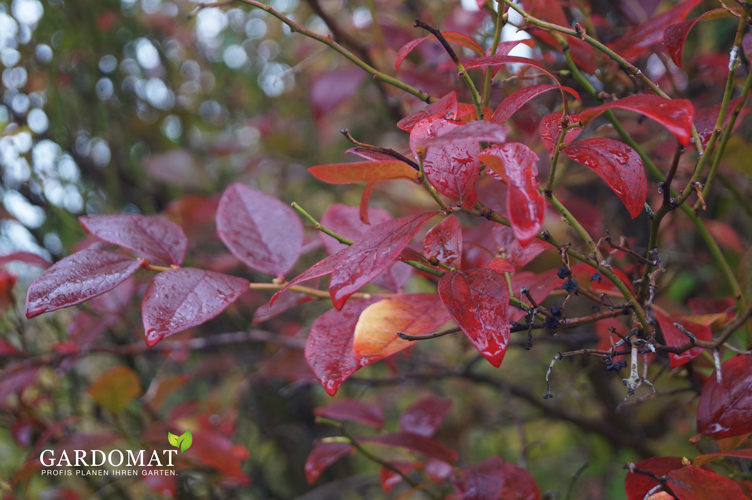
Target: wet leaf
[[425, 415], [516, 100], [443, 242], [260, 230], [675, 338], [692, 483], [115, 388], [725, 408], [415, 442], [477, 131], [478, 300], [500, 266], [364, 171], [181, 298], [675, 35], [482, 481], [550, 130], [637, 485], [675, 115], [77, 278], [322, 457], [353, 410], [452, 36], [452, 169], [617, 164], [516, 254], [514, 164], [446, 107]]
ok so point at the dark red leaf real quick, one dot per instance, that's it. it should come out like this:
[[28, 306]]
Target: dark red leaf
[[452, 36], [514, 102], [675, 115], [446, 107], [260, 230], [443, 242], [675, 35], [151, 237], [389, 479], [353, 410], [329, 348], [675, 338], [415, 442], [77, 278], [617, 164], [452, 169], [181, 298], [333, 87], [425, 415], [725, 408], [483, 481], [267, 312], [709, 457], [478, 300], [637, 485], [540, 286], [550, 130], [641, 38], [323, 456], [26, 257], [516, 254], [519, 484], [514, 164], [477, 131], [499, 60], [693, 483], [706, 118], [364, 171]]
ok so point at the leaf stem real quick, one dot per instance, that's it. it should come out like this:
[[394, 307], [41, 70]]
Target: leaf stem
[[494, 47]]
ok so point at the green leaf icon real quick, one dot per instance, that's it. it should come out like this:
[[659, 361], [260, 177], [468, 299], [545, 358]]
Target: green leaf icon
[[183, 441], [172, 438]]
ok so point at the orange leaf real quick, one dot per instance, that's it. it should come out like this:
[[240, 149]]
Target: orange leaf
[[115, 388], [363, 171]]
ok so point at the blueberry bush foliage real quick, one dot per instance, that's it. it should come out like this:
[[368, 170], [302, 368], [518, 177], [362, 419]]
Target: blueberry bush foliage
[[530, 277]]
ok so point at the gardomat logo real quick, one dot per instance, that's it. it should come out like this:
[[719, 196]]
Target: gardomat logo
[[183, 441]]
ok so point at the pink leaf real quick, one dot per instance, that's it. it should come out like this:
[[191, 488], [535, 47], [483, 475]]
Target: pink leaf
[[26, 257], [550, 130], [452, 36], [617, 164], [443, 242], [514, 164], [261, 231], [415, 442], [329, 348], [446, 107], [333, 87], [453, 169], [425, 415], [725, 408], [478, 300], [77, 278], [181, 298], [323, 456], [675, 115], [353, 410], [514, 102], [483, 481], [675, 338], [151, 237], [675, 35], [477, 131]]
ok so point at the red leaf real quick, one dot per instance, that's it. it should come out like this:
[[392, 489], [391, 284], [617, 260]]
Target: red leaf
[[329, 348], [514, 164], [389, 479], [725, 409], [364, 171], [452, 169], [181, 298], [319, 269], [216, 451], [478, 300], [709, 457], [413, 314], [692, 483], [675, 338], [483, 481], [499, 60], [675, 115], [540, 286], [77, 278], [371, 254], [550, 130], [333, 87], [514, 102], [443, 242], [261, 231], [446, 107], [452, 36], [637, 485], [364, 200], [504, 48], [706, 118], [415, 442], [500, 266], [639, 39], [617, 164], [675, 35], [519, 484], [27, 257], [425, 415], [477, 131], [353, 410], [323, 456], [151, 237], [516, 254]]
